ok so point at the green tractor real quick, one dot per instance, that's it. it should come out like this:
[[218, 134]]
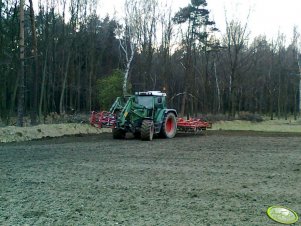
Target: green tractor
[[143, 114]]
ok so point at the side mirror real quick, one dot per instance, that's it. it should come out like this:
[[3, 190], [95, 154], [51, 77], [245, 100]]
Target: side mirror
[[159, 100]]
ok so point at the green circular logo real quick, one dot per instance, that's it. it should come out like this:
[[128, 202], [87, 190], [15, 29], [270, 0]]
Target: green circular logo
[[282, 214]]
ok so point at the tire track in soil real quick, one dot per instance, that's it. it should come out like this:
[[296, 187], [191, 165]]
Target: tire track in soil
[[222, 178]]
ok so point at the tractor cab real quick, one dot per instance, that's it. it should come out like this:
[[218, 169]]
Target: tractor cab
[[151, 99], [152, 102]]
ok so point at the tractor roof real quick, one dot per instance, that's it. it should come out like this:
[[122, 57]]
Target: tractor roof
[[151, 93]]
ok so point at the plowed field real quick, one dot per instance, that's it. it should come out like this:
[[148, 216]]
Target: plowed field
[[221, 178]]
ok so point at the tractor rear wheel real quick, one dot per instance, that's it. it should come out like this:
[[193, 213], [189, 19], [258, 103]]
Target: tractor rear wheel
[[147, 130], [169, 127], [118, 133]]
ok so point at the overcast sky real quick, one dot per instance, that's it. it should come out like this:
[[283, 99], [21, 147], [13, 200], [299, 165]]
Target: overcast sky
[[266, 16]]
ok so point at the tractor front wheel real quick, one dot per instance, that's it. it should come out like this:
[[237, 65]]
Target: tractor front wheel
[[118, 133], [147, 130], [169, 127]]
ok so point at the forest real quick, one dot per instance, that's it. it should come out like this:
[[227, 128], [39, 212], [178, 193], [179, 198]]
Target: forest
[[64, 57]]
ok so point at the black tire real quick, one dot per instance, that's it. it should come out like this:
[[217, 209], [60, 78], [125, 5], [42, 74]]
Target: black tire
[[147, 130], [118, 133], [169, 127]]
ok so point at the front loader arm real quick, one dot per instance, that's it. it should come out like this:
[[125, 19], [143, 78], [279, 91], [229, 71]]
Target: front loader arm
[[117, 105], [132, 110], [125, 111]]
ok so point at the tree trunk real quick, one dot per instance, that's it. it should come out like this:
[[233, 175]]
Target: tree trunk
[[14, 96], [279, 97], [299, 65], [79, 87], [3, 78], [183, 103], [34, 96], [62, 109], [43, 85], [90, 83], [217, 89], [295, 102], [3, 97], [21, 93], [233, 103], [127, 70], [271, 107]]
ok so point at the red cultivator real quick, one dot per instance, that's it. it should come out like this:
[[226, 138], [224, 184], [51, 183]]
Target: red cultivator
[[192, 125], [103, 119], [106, 119]]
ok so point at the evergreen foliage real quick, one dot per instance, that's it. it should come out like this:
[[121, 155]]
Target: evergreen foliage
[[109, 88]]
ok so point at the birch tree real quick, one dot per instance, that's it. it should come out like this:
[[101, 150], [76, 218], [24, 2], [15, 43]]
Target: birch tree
[[164, 64], [127, 36]]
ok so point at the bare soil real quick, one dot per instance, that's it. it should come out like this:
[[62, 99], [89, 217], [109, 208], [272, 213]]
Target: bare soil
[[221, 178]]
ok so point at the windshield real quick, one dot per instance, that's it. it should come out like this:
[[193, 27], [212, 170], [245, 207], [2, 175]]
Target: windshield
[[146, 101]]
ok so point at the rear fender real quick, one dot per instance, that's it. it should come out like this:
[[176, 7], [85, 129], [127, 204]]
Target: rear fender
[[171, 111], [161, 116], [163, 112]]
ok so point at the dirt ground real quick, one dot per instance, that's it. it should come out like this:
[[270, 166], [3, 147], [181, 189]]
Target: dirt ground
[[221, 178]]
